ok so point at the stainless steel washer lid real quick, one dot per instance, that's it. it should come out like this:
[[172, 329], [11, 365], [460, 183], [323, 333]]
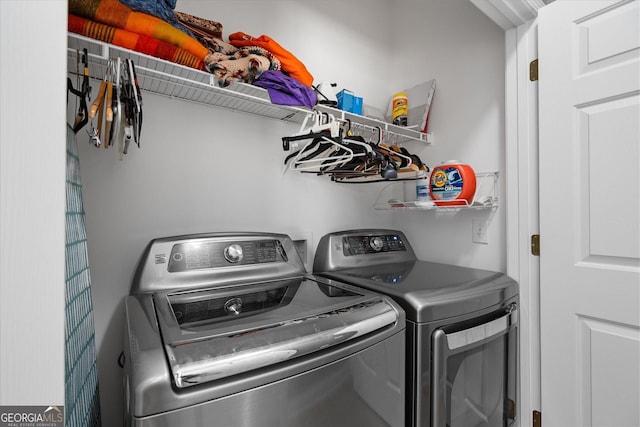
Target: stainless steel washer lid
[[383, 261], [294, 317]]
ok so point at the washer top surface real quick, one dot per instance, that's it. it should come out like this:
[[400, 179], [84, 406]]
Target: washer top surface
[[383, 261], [218, 333]]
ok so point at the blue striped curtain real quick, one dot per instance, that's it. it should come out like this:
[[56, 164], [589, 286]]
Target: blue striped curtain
[[82, 401]]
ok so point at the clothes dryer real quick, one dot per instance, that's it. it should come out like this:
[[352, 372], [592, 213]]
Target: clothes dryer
[[462, 323]]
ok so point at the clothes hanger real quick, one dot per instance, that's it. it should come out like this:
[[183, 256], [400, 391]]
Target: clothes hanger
[[137, 130], [321, 122], [354, 146], [82, 116], [109, 75], [315, 162], [352, 139], [131, 98], [402, 159], [98, 109], [116, 135]]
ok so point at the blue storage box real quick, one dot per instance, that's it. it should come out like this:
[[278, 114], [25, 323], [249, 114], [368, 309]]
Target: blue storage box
[[347, 101]]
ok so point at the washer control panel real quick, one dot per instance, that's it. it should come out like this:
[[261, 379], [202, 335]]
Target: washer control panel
[[214, 254], [371, 244]]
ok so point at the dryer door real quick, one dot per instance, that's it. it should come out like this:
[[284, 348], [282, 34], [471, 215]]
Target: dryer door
[[474, 372]]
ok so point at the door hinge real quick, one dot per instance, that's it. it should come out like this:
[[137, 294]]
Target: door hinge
[[535, 244], [533, 70], [537, 419]]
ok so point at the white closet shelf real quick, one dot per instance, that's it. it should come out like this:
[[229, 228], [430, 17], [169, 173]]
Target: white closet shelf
[[486, 197], [177, 81]]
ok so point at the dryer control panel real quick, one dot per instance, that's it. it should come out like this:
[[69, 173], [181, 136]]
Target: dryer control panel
[[361, 248], [368, 244]]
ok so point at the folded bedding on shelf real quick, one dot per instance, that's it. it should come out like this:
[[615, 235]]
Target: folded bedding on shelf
[[133, 41], [285, 90], [242, 59], [226, 61], [290, 64], [116, 14], [163, 9], [199, 26], [241, 65]]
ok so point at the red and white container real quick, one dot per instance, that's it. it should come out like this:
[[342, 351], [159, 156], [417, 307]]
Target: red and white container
[[452, 184]]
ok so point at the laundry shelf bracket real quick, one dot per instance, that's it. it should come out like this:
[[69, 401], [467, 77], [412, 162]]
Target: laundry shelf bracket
[[399, 134]]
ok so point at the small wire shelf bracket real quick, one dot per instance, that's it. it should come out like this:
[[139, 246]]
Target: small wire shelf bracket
[[399, 134]]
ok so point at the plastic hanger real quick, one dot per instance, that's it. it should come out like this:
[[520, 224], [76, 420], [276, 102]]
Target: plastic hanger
[[321, 123], [315, 162]]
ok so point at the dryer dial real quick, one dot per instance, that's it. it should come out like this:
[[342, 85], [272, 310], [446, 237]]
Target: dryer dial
[[376, 243]]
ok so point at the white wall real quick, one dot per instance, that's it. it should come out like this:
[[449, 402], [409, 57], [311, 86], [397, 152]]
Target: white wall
[[32, 204], [205, 169], [453, 42]]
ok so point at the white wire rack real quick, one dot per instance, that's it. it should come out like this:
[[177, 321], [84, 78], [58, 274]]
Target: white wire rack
[[177, 81], [486, 196]]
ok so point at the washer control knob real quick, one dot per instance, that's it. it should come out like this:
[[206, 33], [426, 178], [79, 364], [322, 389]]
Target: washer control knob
[[233, 306], [376, 243], [233, 253]]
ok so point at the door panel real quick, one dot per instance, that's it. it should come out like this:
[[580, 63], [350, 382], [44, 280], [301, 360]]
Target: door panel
[[608, 359], [609, 163], [590, 213]]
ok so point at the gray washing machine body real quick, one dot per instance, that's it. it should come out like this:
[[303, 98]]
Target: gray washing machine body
[[227, 329], [443, 303]]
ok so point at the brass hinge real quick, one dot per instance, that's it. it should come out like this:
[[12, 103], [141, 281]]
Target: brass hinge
[[510, 409], [533, 70], [537, 419], [535, 244]]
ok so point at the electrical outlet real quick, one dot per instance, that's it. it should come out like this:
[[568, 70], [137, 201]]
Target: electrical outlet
[[479, 231]]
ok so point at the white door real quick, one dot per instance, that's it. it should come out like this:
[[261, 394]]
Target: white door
[[590, 213]]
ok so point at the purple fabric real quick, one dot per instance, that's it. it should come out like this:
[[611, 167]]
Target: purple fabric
[[285, 90]]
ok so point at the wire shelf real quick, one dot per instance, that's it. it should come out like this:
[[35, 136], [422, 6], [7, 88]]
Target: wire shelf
[[486, 196], [177, 81]]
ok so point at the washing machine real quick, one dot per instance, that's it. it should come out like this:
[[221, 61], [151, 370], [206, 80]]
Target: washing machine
[[462, 326], [229, 330]]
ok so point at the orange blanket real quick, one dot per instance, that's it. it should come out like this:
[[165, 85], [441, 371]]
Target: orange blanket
[[290, 63], [116, 14], [133, 41]]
